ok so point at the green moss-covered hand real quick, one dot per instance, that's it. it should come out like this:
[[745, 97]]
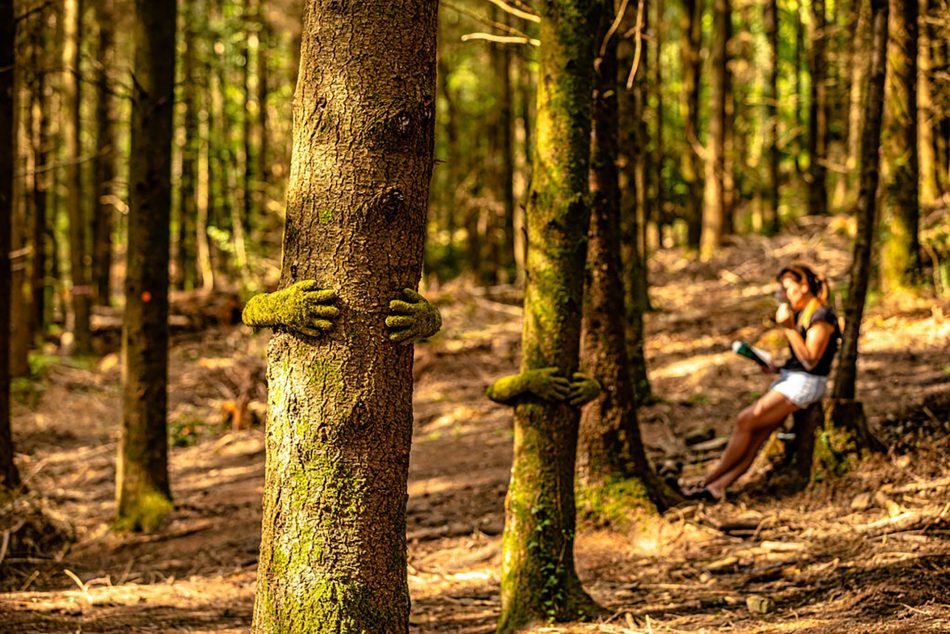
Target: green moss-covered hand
[[302, 307], [543, 383], [412, 317], [583, 389]]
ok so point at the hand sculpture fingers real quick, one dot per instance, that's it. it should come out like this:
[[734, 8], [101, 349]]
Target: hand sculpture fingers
[[400, 336], [304, 285], [310, 332], [400, 321], [400, 307], [321, 296], [322, 310], [412, 296]]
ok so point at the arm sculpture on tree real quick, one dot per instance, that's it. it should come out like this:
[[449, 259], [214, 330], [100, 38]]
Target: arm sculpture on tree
[[545, 384], [307, 309]]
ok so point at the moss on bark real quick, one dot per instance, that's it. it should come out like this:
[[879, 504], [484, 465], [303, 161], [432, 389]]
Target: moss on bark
[[539, 581]]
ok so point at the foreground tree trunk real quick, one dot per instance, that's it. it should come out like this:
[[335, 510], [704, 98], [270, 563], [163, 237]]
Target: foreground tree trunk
[[9, 477], [846, 373], [333, 546], [538, 578], [900, 258], [143, 494], [610, 450]]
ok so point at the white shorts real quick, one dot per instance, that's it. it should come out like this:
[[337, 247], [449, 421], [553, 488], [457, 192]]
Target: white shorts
[[801, 388]]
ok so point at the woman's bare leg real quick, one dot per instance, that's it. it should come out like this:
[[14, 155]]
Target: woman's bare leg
[[719, 485], [763, 416]]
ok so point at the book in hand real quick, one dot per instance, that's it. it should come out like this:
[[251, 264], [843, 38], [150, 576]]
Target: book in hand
[[758, 355]]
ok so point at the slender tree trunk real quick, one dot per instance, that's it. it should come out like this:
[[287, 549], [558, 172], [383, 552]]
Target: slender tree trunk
[[143, 494], [818, 113], [846, 374], [900, 258], [632, 146], [333, 548], [610, 449], [641, 175], [263, 90], [799, 91], [691, 47], [9, 476], [659, 150], [104, 164], [507, 168], [926, 111], [858, 80], [538, 578], [20, 298], [72, 98], [772, 181], [40, 136], [714, 201], [186, 264]]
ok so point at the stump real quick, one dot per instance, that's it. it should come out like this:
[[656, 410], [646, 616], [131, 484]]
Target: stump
[[794, 471]]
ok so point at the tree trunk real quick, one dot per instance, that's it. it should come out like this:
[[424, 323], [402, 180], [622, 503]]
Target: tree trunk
[[846, 374], [900, 253], [333, 548], [507, 169], [799, 92], [71, 99], [9, 476], [926, 112], [818, 114], [186, 263], [610, 449], [641, 174], [691, 47], [104, 164], [632, 201], [772, 182], [40, 135], [263, 89], [143, 494], [860, 64], [714, 197], [538, 578], [20, 298], [659, 204]]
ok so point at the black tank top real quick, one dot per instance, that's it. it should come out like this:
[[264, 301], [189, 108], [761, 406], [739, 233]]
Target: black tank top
[[823, 367]]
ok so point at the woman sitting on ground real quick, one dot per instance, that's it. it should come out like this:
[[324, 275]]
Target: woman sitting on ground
[[811, 327]]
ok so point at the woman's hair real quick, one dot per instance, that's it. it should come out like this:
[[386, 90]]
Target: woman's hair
[[817, 283]]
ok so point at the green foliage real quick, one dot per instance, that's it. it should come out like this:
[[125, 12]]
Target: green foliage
[[187, 431]]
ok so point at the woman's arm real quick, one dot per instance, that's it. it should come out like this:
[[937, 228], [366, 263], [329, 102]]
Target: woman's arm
[[809, 348]]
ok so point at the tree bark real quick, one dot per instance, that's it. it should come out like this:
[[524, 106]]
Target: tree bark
[[818, 113], [538, 578], [40, 136], [846, 374], [610, 449], [900, 252], [186, 262], [772, 181], [333, 549], [714, 196], [692, 168], [71, 91], [632, 152], [143, 495], [9, 476], [104, 163], [926, 111], [859, 65]]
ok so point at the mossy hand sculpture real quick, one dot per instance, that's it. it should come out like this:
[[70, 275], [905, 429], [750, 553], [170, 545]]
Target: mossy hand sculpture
[[307, 309], [412, 318], [545, 384]]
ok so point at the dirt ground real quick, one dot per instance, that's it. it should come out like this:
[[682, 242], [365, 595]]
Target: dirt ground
[[867, 552]]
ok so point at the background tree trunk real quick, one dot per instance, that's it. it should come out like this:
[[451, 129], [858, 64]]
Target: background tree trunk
[[186, 262], [41, 179], [538, 578], [691, 47], [900, 253], [927, 110], [818, 113], [104, 163], [772, 181], [9, 476], [71, 91], [143, 494], [846, 374], [333, 549], [714, 197]]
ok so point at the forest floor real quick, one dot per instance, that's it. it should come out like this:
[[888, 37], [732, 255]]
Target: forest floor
[[866, 552]]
